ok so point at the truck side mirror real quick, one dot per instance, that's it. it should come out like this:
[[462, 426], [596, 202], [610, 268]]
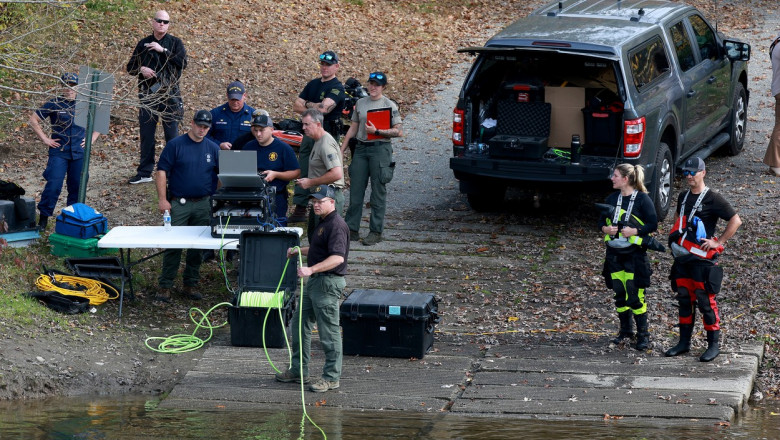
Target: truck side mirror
[[737, 50]]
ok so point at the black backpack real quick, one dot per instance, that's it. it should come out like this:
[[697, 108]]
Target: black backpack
[[10, 190]]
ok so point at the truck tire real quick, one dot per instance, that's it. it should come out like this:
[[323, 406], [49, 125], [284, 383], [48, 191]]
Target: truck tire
[[662, 183], [487, 199], [738, 121]]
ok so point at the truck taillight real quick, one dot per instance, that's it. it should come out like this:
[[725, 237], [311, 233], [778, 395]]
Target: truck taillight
[[633, 137], [457, 127]]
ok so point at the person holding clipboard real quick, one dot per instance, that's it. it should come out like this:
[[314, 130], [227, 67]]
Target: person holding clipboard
[[375, 121]]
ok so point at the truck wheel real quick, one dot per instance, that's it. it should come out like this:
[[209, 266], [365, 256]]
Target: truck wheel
[[661, 185], [738, 121], [489, 199]]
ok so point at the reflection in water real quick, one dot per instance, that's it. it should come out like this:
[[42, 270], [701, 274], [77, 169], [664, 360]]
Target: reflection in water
[[139, 418]]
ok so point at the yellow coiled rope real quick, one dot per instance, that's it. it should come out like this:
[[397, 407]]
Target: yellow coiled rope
[[97, 292]]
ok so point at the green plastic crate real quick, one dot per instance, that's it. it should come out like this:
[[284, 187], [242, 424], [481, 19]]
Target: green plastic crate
[[66, 246]]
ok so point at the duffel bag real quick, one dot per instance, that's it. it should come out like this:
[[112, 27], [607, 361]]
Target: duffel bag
[[81, 221]]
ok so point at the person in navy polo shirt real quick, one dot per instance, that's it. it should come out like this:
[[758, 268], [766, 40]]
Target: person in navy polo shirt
[[185, 174], [275, 160], [66, 147], [231, 119]]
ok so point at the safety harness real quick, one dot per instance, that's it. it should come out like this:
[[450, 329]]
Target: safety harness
[[620, 242], [683, 246]]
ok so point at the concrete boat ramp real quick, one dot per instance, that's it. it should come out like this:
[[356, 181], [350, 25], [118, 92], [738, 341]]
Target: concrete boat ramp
[[571, 380]]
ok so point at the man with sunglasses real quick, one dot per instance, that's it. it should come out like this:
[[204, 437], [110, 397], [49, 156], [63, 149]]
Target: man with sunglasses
[[325, 94], [157, 60], [696, 276]]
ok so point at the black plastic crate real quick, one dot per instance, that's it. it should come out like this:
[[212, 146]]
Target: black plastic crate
[[16, 221], [602, 127], [97, 267], [388, 323], [263, 256]]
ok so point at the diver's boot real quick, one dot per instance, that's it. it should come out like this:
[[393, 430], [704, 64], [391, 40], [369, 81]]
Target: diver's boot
[[626, 327], [642, 332], [684, 345], [713, 346]]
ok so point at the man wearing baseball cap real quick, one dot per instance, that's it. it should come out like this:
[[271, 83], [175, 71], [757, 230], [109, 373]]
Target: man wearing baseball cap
[[325, 94], [276, 162], [696, 277], [186, 176], [231, 119], [326, 266], [65, 147]]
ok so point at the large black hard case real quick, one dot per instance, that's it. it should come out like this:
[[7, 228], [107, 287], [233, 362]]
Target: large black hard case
[[263, 256], [15, 217], [388, 323]]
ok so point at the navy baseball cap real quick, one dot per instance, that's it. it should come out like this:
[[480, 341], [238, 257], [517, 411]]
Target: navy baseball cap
[[694, 164], [262, 121], [70, 79], [378, 77], [235, 90], [322, 191], [329, 57], [202, 117]]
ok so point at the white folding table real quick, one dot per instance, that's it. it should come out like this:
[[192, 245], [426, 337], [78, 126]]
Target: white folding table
[[157, 237]]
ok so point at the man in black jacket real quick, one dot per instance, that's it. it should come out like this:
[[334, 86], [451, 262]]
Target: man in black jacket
[[157, 60]]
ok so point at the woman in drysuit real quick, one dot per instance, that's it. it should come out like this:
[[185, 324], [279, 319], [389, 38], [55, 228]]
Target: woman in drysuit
[[626, 227]]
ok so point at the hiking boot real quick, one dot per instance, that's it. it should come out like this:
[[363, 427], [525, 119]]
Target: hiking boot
[[298, 215], [323, 385], [288, 376], [163, 295], [354, 235], [138, 179], [43, 221], [372, 238], [191, 293]]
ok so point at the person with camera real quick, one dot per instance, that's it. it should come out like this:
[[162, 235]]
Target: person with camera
[[696, 276], [276, 162], [626, 266], [65, 147], [231, 119], [373, 158], [158, 61], [326, 95], [186, 174]]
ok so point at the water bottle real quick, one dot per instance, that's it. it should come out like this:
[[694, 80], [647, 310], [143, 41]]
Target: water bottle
[[576, 149], [167, 220]]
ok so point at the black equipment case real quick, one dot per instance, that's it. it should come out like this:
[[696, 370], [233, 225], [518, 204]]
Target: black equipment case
[[387, 323], [263, 256]]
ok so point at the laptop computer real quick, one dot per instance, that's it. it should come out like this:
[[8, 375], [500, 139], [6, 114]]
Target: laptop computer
[[238, 169]]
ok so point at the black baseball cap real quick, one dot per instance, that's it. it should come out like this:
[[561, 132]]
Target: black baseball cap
[[262, 121], [329, 57], [694, 164], [378, 77], [322, 191], [202, 117]]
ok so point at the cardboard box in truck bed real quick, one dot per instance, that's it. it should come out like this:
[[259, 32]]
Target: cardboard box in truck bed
[[566, 118]]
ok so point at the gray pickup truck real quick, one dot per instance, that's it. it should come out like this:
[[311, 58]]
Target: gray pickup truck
[[578, 86]]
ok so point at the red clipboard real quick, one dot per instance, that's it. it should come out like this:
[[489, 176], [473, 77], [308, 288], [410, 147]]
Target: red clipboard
[[380, 117]]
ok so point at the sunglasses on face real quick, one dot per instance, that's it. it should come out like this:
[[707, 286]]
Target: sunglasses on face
[[376, 75], [687, 173], [161, 21], [326, 57]]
